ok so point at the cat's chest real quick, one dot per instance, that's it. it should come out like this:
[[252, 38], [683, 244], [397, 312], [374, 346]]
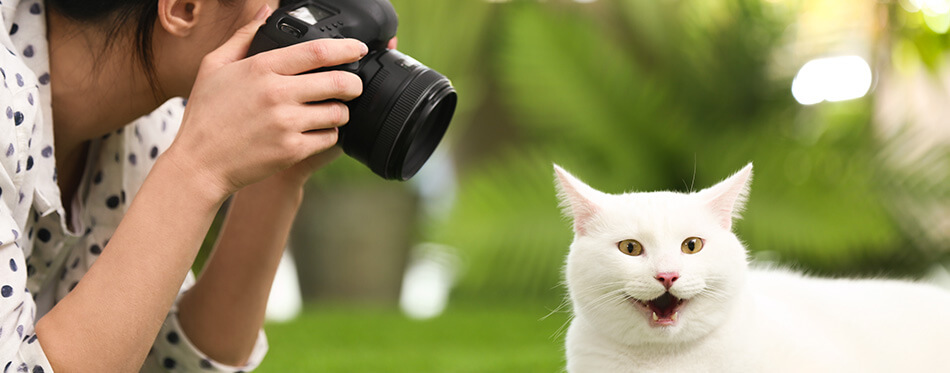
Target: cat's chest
[[589, 351]]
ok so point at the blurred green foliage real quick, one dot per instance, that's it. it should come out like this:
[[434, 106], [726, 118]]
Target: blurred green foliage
[[915, 40]]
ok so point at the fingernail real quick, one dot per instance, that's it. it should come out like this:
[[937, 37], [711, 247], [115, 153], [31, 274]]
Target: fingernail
[[262, 13], [363, 49]]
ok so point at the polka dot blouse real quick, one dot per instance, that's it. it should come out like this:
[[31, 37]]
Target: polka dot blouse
[[41, 257]]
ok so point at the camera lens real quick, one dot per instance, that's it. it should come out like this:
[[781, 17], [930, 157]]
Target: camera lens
[[400, 118]]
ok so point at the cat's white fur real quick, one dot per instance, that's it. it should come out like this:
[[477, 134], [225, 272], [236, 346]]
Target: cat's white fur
[[735, 319]]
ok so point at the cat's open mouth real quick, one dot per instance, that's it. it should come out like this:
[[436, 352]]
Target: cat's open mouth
[[664, 309]]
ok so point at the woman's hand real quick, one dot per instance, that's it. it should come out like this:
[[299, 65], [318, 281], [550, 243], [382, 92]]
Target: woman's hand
[[298, 174], [249, 118]]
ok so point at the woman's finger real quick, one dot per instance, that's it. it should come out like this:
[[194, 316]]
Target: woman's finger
[[322, 86], [311, 55], [318, 141], [316, 116]]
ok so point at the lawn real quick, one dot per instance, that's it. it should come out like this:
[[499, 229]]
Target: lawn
[[466, 338]]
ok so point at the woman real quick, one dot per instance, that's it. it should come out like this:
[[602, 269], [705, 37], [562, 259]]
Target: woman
[[100, 220]]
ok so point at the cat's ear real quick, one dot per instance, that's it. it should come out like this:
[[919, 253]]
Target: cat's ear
[[727, 199], [577, 199]]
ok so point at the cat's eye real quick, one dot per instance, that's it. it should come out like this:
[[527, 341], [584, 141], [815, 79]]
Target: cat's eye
[[692, 245], [630, 247]]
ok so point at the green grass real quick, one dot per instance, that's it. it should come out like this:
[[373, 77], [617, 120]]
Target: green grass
[[469, 338]]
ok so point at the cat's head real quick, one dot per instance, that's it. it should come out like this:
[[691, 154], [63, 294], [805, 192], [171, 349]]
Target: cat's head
[[659, 267]]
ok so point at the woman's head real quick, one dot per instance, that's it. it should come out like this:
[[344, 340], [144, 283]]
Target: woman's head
[[166, 38]]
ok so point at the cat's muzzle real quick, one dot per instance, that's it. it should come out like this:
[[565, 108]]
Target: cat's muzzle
[[664, 310]]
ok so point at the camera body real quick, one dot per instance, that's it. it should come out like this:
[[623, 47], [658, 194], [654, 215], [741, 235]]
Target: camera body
[[405, 108], [373, 22]]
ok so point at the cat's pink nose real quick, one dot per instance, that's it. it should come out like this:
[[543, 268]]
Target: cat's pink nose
[[667, 278]]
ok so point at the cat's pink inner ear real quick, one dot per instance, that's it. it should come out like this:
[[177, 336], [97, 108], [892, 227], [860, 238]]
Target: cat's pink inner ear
[[576, 199], [727, 199]]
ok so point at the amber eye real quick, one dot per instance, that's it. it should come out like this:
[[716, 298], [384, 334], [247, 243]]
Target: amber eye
[[692, 245], [630, 247]]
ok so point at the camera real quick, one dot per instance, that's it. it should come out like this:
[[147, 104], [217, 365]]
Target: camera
[[405, 108]]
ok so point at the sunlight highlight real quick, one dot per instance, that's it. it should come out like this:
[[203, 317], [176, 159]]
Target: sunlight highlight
[[832, 79], [931, 6]]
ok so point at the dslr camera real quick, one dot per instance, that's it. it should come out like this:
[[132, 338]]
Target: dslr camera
[[405, 108]]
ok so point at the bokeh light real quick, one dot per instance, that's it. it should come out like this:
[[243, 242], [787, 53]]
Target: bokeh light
[[832, 79]]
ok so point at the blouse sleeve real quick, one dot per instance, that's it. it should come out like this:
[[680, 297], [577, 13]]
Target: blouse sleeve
[[174, 351]]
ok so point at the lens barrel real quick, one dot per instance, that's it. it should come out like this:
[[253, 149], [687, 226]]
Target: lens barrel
[[400, 118]]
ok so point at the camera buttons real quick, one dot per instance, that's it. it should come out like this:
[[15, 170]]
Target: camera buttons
[[289, 29]]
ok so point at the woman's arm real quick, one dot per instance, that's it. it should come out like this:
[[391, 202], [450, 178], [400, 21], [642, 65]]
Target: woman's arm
[[120, 303], [247, 119], [224, 311]]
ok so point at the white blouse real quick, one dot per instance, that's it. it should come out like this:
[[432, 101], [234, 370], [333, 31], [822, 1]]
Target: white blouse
[[41, 258]]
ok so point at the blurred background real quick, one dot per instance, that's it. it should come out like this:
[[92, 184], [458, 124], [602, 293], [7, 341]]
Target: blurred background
[[843, 106]]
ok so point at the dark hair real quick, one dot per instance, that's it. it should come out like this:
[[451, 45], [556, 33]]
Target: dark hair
[[115, 15]]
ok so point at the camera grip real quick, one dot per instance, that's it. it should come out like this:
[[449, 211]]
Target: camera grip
[[261, 43]]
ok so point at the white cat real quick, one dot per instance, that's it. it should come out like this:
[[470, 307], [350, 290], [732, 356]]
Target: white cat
[[659, 282]]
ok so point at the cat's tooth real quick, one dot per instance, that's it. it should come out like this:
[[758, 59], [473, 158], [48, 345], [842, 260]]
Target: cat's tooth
[[674, 315], [655, 317]]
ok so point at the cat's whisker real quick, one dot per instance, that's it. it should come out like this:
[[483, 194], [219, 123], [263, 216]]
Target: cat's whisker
[[714, 294], [564, 304], [607, 295], [563, 328], [601, 286], [605, 299]]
